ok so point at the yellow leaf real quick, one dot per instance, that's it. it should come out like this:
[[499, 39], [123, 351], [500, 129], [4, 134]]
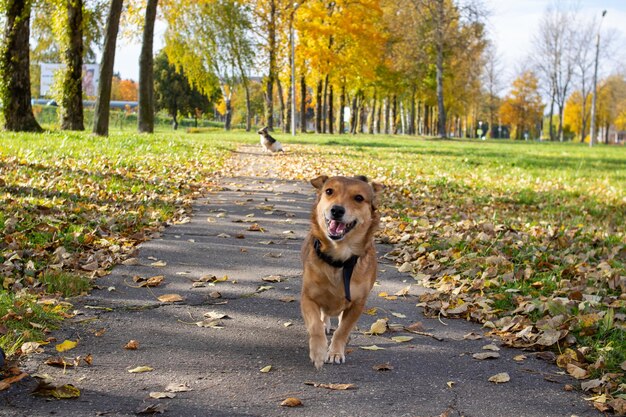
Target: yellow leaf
[[372, 311], [500, 378], [450, 384], [158, 263], [291, 402], [140, 369], [378, 327], [372, 347], [170, 298], [401, 339], [66, 345], [519, 358], [266, 369]]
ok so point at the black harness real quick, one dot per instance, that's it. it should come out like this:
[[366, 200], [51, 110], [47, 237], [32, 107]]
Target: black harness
[[347, 265]]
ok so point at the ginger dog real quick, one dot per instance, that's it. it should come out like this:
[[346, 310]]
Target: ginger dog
[[339, 262]]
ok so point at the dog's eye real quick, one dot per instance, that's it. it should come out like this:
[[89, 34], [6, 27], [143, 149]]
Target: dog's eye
[[329, 191], [359, 198]]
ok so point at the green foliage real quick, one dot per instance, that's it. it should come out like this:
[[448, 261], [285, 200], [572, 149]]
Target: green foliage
[[173, 92]]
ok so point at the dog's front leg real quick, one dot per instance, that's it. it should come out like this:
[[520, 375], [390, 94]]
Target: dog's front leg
[[315, 327], [349, 317]]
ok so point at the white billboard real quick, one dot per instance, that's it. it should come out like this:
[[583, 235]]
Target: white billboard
[[91, 77]]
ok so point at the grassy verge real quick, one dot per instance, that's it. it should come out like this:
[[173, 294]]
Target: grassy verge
[[73, 205], [527, 238]]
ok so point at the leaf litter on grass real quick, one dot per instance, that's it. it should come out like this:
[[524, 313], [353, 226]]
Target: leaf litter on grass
[[538, 258]]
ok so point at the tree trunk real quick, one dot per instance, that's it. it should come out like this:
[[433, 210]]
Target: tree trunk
[[427, 118], [561, 123], [551, 114], [175, 120], [271, 76], [372, 115], [440, 105], [342, 106], [145, 117], [412, 113], [318, 108], [303, 104], [354, 114], [246, 86], [387, 115], [72, 95], [331, 115], [394, 114], [15, 68], [229, 113], [102, 111], [281, 102], [324, 103]]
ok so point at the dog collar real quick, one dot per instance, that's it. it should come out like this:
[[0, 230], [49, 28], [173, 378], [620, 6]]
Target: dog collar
[[347, 265]]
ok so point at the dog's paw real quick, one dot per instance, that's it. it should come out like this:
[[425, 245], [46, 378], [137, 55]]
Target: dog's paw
[[318, 360], [335, 357], [317, 353]]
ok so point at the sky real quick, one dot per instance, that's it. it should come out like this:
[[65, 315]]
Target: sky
[[511, 24]]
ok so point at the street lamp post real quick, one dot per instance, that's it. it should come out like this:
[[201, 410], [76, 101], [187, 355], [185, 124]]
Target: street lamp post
[[592, 129], [293, 72]]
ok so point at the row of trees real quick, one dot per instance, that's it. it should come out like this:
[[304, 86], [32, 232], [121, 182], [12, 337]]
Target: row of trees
[[399, 66]]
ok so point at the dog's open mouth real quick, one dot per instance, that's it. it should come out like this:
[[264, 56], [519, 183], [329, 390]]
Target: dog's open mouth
[[337, 230]]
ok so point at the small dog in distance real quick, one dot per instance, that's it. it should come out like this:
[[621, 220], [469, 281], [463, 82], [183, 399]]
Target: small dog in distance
[[268, 142]]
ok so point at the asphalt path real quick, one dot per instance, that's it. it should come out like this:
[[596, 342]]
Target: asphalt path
[[249, 230]]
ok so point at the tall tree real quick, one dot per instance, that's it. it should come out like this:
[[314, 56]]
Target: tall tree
[[555, 57], [101, 116], [173, 91], [15, 92], [72, 90], [522, 107], [210, 41], [145, 117]]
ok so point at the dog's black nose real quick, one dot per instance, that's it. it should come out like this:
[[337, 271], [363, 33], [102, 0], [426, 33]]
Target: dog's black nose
[[337, 212]]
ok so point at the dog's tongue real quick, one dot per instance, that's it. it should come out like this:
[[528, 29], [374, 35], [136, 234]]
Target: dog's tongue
[[336, 228]]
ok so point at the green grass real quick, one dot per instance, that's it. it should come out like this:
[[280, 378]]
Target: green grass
[[71, 201]]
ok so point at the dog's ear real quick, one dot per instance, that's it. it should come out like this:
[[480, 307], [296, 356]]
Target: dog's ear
[[361, 177], [318, 182], [377, 187]]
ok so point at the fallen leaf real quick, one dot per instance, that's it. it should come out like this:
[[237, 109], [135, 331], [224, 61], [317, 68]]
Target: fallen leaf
[[399, 315], [401, 339], [493, 348], [66, 345], [132, 345], [472, 336], [159, 264], [576, 371], [170, 298], [418, 326], [619, 406], [60, 362], [159, 395], [213, 323], [287, 324], [383, 367], [266, 369], [273, 278], [216, 315], [291, 402], [372, 347], [31, 347], [591, 384], [175, 387], [288, 299], [337, 387], [140, 369], [152, 409], [486, 355], [378, 327], [372, 311], [519, 358], [262, 288], [6, 383], [154, 281], [100, 332], [500, 378], [61, 392], [450, 384]]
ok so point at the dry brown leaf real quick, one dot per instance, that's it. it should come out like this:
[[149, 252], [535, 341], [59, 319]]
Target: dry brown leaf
[[291, 402], [500, 378], [486, 355], [140, 369], [383, 367], [576, 371], [159, 395], [170, 298], [175, 387], [132, 345], [378, 327]]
